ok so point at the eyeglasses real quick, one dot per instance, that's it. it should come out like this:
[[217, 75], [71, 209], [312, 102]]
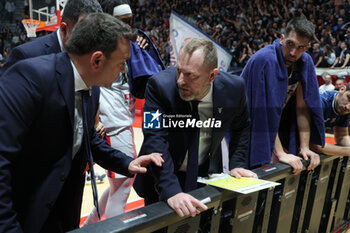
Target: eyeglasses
[[291, 45]]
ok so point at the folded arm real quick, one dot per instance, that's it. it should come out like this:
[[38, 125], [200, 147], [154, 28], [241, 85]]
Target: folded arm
[[342, 147], [282, 156]]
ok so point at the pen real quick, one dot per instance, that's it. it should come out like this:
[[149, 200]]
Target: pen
[[206, 200]]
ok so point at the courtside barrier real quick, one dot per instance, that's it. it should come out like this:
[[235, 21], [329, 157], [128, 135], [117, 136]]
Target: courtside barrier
[[313, 201]]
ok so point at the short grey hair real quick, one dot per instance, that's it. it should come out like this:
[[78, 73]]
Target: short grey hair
[[98, 32], [325, 74], [209, 50]]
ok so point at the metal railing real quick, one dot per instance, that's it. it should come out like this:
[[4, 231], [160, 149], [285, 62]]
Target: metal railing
[[313, 201]]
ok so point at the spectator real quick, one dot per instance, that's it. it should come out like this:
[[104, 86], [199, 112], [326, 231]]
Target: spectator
[[22, 37], [343, 60], [15, 40], [317, 54], [261, 21], [335, 46], [329, 56], [347, 36], [2, 11], [55, 41], [2, 45], [246, 20], [18, 28], [339, 24], [327, 86], [246, 53], [10, 9], [26, 7], [234, 50], [339, 83], [1, 60], [6, 54]]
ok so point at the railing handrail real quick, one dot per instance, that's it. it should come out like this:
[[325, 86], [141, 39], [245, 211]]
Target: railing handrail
[[159, 215]]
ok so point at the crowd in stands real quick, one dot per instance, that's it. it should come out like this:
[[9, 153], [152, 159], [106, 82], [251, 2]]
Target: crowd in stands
[[9, 38], [243, 27]]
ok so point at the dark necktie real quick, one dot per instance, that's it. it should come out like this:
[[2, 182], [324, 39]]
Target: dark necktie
[[192, 160], [86, 95]]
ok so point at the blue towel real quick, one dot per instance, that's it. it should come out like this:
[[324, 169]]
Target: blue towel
[[266, 79], [142, 64]]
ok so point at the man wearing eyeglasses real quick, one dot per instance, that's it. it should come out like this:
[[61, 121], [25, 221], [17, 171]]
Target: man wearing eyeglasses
[[285, 106]]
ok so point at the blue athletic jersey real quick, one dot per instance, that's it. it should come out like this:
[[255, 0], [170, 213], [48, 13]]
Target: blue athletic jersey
[[331, 117]]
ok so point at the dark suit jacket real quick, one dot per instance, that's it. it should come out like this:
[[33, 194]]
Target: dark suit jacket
[[41, 46], [229, 106], [40, 184]]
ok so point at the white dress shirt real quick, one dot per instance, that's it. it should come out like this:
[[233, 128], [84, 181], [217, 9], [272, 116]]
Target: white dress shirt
[[78, 111], [205, 111], [60, 39]]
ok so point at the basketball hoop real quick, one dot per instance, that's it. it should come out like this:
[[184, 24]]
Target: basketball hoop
[[31, 25]]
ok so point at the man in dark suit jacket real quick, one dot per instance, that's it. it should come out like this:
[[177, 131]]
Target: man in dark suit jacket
[[43, 145], [54, 42], [223, 105]]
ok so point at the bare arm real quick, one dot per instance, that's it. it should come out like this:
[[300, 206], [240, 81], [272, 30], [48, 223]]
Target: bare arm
[[286, 12], [260, 11], [184, 204], [347, 58], [319, 61], [282, 156], [330, 149], [229, 20], [343, 27], [244, 54], [342, 147], [303, 121], [278, 13], [335, 62], [341, 135]]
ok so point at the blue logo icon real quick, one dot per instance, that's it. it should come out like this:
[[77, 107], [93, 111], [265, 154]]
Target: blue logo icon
[[151, 120]]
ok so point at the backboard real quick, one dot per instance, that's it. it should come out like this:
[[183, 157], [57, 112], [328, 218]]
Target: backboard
[[46, 11]]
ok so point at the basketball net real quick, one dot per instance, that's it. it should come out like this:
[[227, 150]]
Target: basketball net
[[31, 25]]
